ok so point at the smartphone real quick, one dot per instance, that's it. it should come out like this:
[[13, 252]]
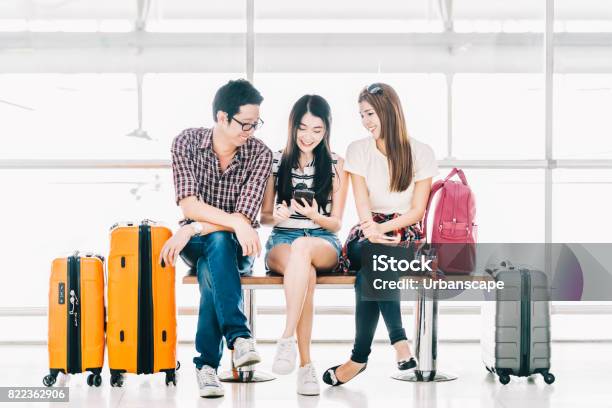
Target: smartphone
[[306, 194]]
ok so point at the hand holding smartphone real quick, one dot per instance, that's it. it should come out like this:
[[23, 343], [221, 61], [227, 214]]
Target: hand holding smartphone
[[306, 194]]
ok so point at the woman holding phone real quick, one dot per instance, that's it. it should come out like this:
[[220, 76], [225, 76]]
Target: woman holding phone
[[391, 175], [304, 201]]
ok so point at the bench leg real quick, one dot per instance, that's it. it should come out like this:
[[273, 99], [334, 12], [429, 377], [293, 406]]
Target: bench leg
[[425, 342], [247, 374]]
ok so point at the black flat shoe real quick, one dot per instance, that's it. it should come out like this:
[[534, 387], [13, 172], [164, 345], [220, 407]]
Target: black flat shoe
[[407, 364], [329, 376]]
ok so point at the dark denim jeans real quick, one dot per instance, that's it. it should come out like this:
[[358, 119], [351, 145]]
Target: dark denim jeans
[[368, 311], [218, 260]]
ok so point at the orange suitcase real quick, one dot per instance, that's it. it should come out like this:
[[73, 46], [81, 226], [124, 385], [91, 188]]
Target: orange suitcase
[[76, 317], [141, 329]]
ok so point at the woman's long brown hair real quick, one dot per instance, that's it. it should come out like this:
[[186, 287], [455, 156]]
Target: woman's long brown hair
[[393, 132], [322, 183]]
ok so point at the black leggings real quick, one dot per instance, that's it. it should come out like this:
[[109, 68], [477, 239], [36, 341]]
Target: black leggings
[[367, 312]]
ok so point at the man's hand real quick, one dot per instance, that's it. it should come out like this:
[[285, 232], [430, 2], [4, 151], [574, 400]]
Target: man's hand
[[247, 236], [173, 247]]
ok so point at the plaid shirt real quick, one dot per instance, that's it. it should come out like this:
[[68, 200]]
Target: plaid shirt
[[197, 172]]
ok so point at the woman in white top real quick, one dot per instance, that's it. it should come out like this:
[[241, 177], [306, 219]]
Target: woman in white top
[[304, 201], [391, 176]]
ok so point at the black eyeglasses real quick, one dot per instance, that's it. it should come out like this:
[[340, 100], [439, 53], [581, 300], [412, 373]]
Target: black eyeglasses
[[248, 126], [374, 89]]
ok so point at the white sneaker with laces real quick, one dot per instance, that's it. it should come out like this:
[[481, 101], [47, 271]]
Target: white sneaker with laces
[[208, 382], [308, 380], [245, 353], [284, 359]]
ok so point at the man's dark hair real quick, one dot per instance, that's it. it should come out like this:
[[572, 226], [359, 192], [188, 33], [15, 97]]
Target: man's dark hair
[[231, 96]]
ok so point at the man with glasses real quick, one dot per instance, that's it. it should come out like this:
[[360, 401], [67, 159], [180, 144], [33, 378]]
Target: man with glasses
[[220, 175]]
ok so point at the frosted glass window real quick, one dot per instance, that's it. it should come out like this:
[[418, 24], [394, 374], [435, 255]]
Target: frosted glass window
[[581, 200], [498, 116], [582, 125], [173, 102], [48, 213], [85, 116], [68, 10]]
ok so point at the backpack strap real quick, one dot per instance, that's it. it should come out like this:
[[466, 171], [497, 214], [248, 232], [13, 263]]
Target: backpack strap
[[458, 172], [434, 189]]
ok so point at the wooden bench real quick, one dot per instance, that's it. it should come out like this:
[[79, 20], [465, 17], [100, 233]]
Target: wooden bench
[[269, 281], [276, 281]]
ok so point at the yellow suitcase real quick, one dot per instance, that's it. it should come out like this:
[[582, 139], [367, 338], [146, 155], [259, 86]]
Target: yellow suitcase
[[76, 317], [141, 329]]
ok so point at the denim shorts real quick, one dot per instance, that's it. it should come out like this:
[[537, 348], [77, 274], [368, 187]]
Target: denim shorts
[[287, 236]]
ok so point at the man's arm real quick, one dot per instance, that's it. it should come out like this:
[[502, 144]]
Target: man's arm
[[209, 227], [252, 192], [197, 210], [185, 185], [238, 223]]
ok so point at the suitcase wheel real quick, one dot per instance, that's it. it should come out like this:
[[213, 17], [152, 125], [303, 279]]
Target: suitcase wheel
[[116, 380], [548, 378], [49, 380], [94, 379], [171, 378], [504, 379]]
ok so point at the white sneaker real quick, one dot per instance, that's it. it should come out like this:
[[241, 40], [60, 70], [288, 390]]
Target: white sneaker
[[208, 382], [307, 380], [284, 359], [245, 353]]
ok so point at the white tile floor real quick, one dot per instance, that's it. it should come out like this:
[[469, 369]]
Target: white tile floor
[[583, 372]]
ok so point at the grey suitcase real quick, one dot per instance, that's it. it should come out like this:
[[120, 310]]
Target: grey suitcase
[[516, 324]]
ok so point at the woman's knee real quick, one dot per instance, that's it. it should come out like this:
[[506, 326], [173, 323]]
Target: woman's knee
[[302, 247], [277, 258], [356, 246], [353, 250], [276, 264]]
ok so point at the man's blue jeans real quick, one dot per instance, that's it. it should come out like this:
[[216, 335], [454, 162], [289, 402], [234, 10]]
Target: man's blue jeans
[[219, 263]]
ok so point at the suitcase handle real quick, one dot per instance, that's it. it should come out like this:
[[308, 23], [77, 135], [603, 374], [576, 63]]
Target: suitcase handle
[[492, 269], [122, 223]]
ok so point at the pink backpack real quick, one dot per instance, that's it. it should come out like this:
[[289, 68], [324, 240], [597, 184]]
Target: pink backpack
[[454, 231]]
